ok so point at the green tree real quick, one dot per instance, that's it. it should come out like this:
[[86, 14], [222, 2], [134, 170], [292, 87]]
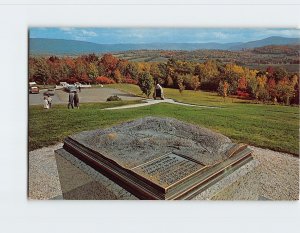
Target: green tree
[[145, 82]]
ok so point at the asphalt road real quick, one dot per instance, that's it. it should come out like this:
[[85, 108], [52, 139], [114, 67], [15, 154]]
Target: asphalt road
[[85, 96]]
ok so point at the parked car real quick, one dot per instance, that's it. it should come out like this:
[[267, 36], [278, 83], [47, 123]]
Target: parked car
[[49, 92], [34, 90]]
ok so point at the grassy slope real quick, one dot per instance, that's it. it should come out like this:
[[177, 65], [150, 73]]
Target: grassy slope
[[269, 126]]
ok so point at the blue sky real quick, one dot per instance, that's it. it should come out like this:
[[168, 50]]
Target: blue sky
[[162, 35]]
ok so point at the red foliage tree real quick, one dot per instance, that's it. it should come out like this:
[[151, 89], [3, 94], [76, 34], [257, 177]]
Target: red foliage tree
[[242, 84], [130, 81], [110, 63], [104, 80], [271, 87], [72, 80]]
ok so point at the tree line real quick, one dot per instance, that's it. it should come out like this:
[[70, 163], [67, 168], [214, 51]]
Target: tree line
[[272, 84]]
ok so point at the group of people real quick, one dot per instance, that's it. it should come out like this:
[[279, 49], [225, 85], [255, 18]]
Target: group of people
[[47, 102], [73, 100]]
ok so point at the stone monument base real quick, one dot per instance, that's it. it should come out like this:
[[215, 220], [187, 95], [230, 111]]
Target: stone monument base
[[156, 158], [80, 181]]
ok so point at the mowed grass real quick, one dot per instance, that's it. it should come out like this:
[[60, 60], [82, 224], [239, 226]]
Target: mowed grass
[[267, 126], [187, 96]]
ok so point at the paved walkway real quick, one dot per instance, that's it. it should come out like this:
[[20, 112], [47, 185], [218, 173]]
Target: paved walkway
[[87, 95], [148, 102]]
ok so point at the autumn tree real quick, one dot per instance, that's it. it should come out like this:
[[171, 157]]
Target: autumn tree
[[156, 74], [223, 89], [80, 70], [285, 90], [42, 72], [145, 82], [295, 83], [122, 64], [262, 92], [110, 63], [252, 87], [91, 58], [117, 76], [233, 73], [180, 84], [208, 74], [163, 72], [31, 68], [191, 82], [132, 71], [279, 74], [271, 87], [242, 84], [195, 83], [92, 72]]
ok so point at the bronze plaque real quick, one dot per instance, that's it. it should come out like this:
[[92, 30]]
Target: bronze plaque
[[168, 170], [158, 158]]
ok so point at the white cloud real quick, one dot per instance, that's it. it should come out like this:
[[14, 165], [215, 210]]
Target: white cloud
[[77, 33], [66, 29], [88, 33], [220, 35]]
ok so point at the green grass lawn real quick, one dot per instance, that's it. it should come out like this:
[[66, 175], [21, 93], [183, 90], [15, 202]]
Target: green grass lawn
[[267, 126], [188, 96]]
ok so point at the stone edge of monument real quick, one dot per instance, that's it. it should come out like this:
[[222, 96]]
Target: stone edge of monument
[[142, 188], [219, 189]]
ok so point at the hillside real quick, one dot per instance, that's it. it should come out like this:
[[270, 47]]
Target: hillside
[[273, 40], [41, 46]]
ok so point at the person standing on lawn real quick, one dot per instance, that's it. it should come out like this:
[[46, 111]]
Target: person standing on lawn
[[46, 103], [76, 100], [71, 100], [49, 101]]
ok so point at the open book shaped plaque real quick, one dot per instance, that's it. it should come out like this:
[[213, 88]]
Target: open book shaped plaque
[[159, 158]]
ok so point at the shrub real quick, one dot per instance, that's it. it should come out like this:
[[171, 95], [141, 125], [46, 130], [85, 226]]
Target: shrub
[[104, 80], [114, 98], [243, 94], [263, 94], [130, 81]]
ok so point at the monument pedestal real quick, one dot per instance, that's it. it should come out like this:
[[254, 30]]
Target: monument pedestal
[[156, 158], [79, 181]]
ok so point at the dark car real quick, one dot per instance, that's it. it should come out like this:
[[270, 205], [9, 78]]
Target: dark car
[[49, 92]]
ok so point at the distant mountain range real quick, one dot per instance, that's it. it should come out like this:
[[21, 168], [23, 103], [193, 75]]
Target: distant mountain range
[[41, 46]]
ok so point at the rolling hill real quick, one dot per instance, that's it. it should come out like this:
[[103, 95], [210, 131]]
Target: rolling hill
[[41, 46]]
